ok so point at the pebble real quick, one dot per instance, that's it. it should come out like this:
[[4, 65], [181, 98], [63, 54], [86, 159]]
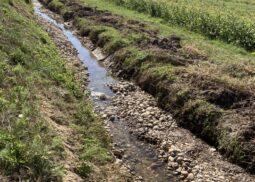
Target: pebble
[[170, 158], [190, 176], [112, 118], [173, 164], [184, 173]]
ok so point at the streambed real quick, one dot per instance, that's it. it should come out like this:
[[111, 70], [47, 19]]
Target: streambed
[[140, 156]]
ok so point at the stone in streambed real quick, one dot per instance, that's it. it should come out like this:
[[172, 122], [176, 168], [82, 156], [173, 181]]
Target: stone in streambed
[[190, 176], [99, 95], [112, 118]]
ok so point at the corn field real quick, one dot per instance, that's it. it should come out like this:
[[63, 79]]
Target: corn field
[[228, 23]]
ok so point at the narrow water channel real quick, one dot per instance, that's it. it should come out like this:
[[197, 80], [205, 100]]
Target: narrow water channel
[[140, 156]]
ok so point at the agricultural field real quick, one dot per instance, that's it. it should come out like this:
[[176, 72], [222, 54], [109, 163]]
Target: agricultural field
[[230, 21]]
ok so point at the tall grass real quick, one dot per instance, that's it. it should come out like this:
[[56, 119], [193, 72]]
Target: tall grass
[[216, 25]]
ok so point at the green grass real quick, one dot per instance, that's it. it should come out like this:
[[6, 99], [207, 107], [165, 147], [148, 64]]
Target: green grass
[[215, 21], [29, 65], [95, 141]]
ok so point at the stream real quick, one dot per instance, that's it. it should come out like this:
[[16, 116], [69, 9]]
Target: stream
[[140, 156]]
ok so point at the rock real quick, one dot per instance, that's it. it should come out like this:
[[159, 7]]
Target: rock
[[118, 153], [174, 165], [99, 54], [190, 176], [155, 128], [175, 173], [179, 170], [184, 173], [112, 118], [139, 178], [173, 149], [99, 95], [118, 161], [212, 150], [102, 96], [171, 159], [104, 116], [179, 159]]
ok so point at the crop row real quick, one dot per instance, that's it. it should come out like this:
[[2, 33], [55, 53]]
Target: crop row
[[224, 26]]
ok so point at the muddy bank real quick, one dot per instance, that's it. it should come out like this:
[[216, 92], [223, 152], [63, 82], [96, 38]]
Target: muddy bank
[[216, 111]]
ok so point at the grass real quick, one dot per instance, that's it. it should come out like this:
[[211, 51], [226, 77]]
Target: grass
[[30, 64]]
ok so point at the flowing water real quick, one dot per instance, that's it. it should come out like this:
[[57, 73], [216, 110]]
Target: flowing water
[[140, 156]]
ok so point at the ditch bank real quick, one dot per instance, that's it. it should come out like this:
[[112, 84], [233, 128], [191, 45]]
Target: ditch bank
[[218, 112]]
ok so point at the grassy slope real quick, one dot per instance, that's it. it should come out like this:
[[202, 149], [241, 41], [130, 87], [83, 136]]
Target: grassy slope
[[30, 67], [204, 97]]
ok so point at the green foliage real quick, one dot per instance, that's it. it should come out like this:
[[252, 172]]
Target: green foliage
[[17, 154], [84, 116], [3, 69], [56, 5], [231, 146], [159, 70], [17, 57], [201, 117], [84, 168], [3, 104], [94, 152], [183, 94], [115, 45], [225, 26], [94, 139], [58, 146]]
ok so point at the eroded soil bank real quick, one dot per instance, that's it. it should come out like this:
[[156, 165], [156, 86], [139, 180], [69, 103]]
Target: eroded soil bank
[[193, 111]]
